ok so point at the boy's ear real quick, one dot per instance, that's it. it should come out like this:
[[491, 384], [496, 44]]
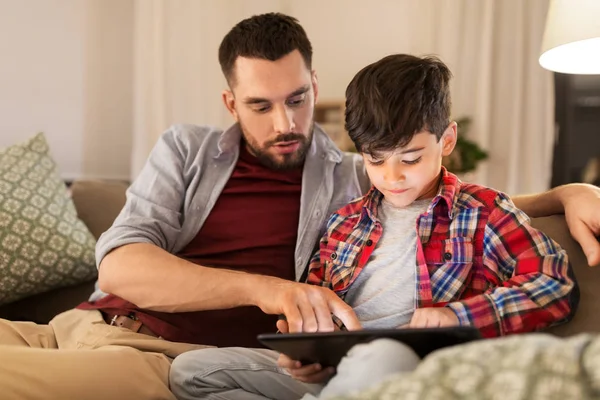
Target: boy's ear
[[449, 139], [229, 101]]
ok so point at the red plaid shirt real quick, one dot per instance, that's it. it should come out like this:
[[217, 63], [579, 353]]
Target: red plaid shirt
[[476, 253]]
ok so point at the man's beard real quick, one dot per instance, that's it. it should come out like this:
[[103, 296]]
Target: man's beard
[[281, 161]]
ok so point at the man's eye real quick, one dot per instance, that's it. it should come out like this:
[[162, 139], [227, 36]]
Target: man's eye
[[412, 162], [296, 101], [262, 109]]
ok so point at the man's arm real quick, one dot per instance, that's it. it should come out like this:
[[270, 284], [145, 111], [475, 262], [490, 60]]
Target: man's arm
[[135, 262], [540, 204], [156, 280], [581, 205]]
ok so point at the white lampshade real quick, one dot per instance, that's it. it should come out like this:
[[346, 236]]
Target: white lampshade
[[572, 37]]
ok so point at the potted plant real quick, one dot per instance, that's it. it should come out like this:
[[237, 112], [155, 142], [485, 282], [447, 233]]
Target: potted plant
[[467, 154]]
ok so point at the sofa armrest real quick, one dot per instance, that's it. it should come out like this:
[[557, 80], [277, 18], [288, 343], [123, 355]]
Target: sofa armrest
[[585, 319], [98, 203]]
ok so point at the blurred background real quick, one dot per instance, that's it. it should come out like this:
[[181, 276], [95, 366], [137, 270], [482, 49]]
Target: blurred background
[[104, 78]]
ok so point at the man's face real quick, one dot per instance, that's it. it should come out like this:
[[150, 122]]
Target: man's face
[[411, 172], [274, 103]]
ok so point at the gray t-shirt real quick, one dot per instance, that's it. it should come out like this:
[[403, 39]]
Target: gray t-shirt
[[383, 294]]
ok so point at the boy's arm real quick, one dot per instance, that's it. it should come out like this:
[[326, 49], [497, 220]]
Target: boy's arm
[[535, 289]]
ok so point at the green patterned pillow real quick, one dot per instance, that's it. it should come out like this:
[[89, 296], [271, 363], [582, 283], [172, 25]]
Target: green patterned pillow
[[43, 245]]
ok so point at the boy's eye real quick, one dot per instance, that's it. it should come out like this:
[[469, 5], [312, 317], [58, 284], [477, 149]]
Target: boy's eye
[[376, 162], [412, 162]]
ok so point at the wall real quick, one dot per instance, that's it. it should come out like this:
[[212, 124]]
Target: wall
[[349, 34], [105, 77], [66, 71]]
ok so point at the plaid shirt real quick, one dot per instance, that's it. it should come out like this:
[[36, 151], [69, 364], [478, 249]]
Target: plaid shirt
[[476, 253]]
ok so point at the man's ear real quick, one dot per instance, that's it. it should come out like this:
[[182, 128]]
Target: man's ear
[[449, 139], [315, 84], [229, 101]]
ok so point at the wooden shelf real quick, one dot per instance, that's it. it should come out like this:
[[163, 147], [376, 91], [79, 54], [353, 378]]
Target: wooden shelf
[[330, 115]]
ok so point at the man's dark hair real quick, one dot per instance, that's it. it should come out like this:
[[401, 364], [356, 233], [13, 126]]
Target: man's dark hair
[[389, 101], [267, 36]]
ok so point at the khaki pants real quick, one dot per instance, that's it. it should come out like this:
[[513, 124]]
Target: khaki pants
[[79, 356]]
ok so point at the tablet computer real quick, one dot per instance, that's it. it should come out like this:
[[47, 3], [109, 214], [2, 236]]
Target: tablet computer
[[328, 348]]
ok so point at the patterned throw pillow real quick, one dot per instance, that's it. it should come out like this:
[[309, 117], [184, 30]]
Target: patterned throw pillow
[[43, 245]]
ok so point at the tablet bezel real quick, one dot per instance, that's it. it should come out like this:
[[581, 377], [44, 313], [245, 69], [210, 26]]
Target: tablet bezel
[[328, 348]]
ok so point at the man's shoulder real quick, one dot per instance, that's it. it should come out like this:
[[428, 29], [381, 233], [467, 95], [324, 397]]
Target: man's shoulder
[[351, 166], [189, 142], [192, 134]]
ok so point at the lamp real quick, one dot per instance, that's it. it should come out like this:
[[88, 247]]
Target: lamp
[[571, 41]]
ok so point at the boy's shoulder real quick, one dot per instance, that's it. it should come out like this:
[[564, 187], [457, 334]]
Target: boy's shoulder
[[347, 217], [353, 208], [472, 195]]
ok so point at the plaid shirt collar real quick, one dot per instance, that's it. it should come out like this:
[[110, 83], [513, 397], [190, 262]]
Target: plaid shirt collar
[[447, 190]]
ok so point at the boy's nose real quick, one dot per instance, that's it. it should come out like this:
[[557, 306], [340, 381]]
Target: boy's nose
[[394, 174]]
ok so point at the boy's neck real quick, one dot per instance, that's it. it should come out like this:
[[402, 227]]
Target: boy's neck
[[428, 195], [433, 189]]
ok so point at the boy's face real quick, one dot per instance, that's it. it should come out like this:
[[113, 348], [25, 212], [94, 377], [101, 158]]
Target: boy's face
[[411, 172], [274, 103]]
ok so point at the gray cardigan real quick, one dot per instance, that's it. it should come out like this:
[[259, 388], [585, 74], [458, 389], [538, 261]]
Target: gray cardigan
[[189, 167]]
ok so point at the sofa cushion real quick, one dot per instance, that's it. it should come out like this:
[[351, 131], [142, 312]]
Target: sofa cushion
[[43, 245], [98, 203], [586, 319]]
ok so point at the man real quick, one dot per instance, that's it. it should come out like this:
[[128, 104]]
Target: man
[[215, 230]]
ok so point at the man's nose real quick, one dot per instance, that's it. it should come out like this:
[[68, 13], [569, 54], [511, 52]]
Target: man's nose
[[283, 120]]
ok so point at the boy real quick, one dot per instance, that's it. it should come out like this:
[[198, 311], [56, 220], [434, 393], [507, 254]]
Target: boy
[[421, 249], [478, 262]]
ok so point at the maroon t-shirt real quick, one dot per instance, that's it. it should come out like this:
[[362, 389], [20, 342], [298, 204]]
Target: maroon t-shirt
[[252, 227]]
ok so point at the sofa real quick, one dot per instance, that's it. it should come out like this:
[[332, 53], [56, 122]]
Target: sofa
[[99, 202]]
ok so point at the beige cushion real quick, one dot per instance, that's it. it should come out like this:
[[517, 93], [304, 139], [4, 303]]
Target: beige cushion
[[43, 245], [586, 318], [98, 203]]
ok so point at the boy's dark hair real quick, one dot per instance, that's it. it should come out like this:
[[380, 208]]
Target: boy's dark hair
[[389, 101], [267, 36]]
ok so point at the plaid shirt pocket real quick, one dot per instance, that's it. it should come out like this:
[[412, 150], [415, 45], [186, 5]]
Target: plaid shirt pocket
[[450, 265], [340, 259]]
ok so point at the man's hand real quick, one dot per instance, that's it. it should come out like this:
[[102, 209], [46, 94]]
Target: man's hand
[[307, 308], [582, 212], [433, 318]]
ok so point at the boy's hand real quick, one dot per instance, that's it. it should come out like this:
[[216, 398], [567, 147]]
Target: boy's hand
[[308, 373], [312, 373], [433, 318]]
